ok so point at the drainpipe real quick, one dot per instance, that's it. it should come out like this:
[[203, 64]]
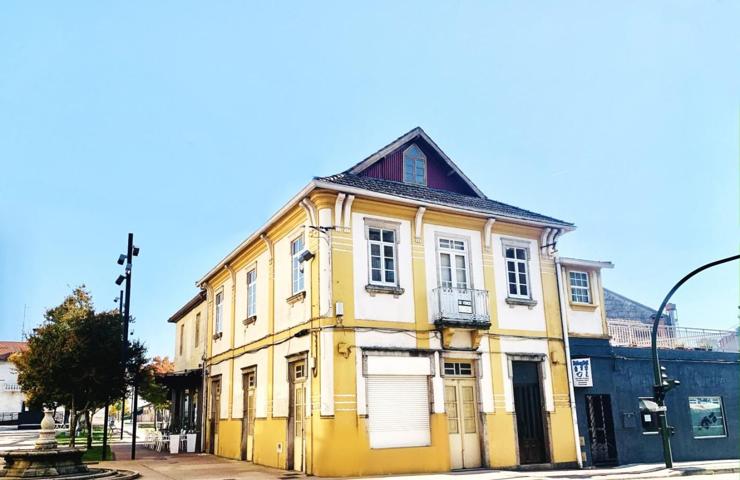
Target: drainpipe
[[566, 342]]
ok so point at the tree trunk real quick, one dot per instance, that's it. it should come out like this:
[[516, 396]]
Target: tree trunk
[[88, 421], [72, 424]]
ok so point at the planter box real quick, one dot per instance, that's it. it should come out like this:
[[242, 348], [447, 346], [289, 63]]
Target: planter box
[[174, 443], [191, 442]]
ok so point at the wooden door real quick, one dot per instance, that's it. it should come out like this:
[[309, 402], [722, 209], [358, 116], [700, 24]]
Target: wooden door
[[248, 409], [528, 407], [297, 415], [461, 405], [214, 415]]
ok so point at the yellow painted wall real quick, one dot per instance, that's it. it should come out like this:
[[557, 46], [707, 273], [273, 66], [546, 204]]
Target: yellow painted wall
[[338, 445]]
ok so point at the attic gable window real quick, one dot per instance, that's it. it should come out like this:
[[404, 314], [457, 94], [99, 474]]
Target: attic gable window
[[414, 166]]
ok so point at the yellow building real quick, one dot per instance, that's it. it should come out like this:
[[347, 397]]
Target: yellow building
[[390, 319]]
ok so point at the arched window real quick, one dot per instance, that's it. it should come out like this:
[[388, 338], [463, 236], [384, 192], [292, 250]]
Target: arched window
[[414, 166]]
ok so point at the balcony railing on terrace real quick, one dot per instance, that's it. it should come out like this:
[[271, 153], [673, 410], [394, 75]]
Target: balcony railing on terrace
[[464, 305], [626, 333]]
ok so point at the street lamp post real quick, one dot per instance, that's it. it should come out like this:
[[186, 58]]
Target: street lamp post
[[662, 383], [123, 356], [131, 252]]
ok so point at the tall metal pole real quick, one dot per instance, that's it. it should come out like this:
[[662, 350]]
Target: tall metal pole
[[123, 355], [129, 260], [660, 388], [133, 416], [105, 432]]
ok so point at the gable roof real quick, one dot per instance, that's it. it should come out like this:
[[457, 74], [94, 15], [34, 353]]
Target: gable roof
[[414, 134], [439, 197], [9, 348]]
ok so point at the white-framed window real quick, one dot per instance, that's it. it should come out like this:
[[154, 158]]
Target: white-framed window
[[414, 166], [252, 293], [580, 291], [219, 320], [458, 368], [296, 248], [517, 271], [453, 263], [382, 257], [707, 417]]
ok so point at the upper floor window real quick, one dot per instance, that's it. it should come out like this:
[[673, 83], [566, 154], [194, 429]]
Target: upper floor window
[[580, 292], [182, 337], [197, 329], [414, 166], [453, 263], [219, 312], [517, 271], [296, 248], [382, 255], [252, 293]]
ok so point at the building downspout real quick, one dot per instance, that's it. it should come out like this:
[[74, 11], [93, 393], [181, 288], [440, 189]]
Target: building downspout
[[566, 342]]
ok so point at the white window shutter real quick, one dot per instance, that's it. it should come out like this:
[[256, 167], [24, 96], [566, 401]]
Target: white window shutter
[[398, 411]]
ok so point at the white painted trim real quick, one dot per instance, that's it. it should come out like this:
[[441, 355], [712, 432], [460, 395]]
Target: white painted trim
[[348, 212], [487, 229], [418, 222], [577, 262], [338, 209]]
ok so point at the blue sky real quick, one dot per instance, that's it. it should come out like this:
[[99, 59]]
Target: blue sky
[[190, 123]]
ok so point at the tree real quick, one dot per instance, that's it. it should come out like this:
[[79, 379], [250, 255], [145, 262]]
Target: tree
[[74, 359]]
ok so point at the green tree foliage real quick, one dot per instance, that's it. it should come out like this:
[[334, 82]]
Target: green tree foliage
[[75, 359]]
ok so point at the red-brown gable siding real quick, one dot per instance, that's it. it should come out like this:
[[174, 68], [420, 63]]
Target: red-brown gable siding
[[391, 168]]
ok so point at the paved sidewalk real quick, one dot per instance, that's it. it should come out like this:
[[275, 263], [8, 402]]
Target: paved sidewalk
[[157, 466]]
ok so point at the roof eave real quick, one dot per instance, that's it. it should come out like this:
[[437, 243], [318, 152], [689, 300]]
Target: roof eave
[[473, 211], [579, 262], [290, 204]]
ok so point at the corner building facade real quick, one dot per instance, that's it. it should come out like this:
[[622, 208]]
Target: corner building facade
[[390, 319]]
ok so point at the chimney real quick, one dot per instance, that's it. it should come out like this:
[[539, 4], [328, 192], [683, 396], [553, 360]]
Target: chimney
[[670, 310]]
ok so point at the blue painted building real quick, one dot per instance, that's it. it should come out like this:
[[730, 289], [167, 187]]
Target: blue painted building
[[611, 375], [710, 383]]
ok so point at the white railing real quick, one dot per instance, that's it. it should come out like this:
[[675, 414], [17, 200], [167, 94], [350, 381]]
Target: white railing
[[460, 304], [625, 333], [11, 387]]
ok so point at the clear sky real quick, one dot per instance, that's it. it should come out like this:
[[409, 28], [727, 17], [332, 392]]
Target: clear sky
[[191, 123]]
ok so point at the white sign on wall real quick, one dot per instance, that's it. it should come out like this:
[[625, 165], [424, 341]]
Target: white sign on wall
[[581, 368]]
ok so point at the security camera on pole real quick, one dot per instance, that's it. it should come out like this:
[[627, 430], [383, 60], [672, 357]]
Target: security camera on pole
[[127, 259]]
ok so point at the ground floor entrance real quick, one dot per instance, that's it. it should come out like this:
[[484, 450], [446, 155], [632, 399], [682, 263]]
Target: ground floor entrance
[[297, 415], [601, 430], [530, 423], [461, 406], [248, 412]]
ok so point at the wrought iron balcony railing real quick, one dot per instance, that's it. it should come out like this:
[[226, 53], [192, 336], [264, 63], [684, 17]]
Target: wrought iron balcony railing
[[463, 305], [625, 333]]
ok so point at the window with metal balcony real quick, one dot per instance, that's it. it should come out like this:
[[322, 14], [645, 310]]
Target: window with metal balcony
[[455, 301]]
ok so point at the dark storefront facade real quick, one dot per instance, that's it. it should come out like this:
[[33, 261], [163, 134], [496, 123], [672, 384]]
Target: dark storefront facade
[[704, 409]]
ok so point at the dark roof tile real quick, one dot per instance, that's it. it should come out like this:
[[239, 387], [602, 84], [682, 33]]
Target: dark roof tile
[[439, 197]]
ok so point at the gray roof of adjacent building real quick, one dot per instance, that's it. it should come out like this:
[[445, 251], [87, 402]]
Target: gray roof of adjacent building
[[619, 307]]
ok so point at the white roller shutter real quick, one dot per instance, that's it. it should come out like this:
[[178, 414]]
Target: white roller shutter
[[398, 411]]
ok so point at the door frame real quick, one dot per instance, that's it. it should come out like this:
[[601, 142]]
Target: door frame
[[290, 446], [539, 360], [246, 372], [214, 411], [475, 377]]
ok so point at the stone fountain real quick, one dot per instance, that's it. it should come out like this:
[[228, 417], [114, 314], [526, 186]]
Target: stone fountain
[[49, 461]]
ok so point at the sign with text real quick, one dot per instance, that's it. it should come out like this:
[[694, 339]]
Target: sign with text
[[581, 368]]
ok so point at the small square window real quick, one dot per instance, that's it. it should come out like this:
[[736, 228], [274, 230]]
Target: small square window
[[580, 292]]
